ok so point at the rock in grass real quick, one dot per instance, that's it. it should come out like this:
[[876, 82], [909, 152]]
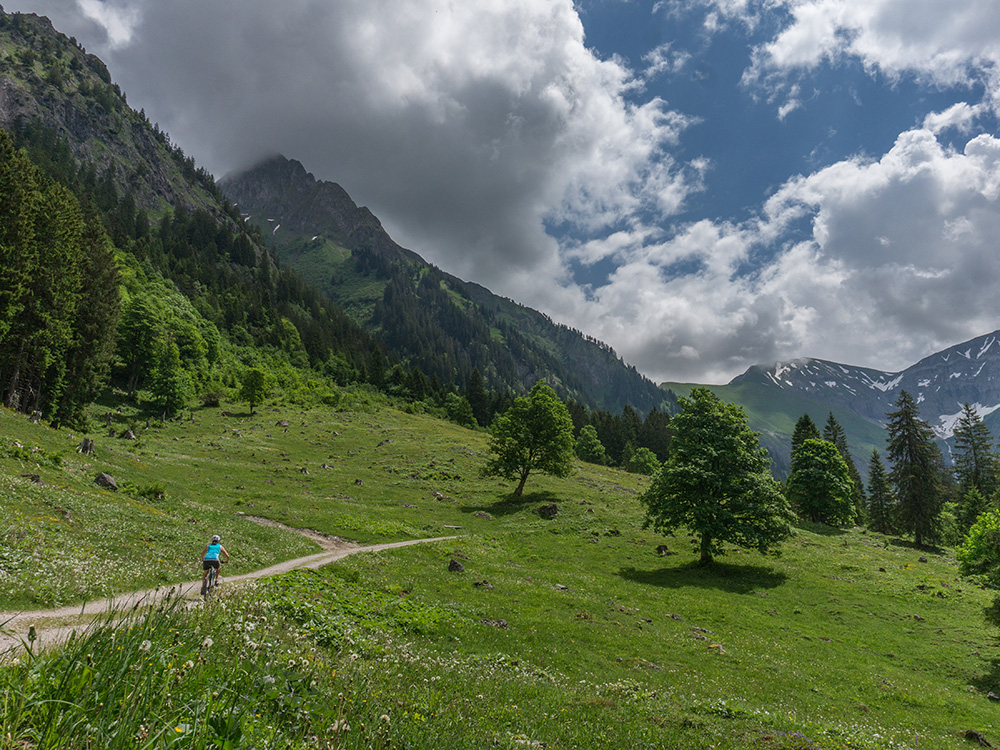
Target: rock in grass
[[455, 566], [972, 734], [106, 481]]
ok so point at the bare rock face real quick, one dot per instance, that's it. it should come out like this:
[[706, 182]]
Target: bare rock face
[[106, 481]]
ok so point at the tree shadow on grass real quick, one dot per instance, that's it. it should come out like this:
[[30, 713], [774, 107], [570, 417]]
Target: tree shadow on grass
[[510, 505], [736, 579]]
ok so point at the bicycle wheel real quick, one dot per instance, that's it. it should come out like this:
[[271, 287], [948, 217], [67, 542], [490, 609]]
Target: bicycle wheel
[[209, 582]]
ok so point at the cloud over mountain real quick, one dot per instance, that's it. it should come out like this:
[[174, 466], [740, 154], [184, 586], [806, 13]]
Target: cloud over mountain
[[497, 141]]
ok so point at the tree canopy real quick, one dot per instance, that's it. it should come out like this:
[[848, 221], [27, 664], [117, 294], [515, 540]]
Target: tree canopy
[[819, 484], [535, 434], [716, 481]]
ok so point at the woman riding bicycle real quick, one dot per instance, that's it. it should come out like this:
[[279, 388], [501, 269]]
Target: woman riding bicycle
[[211, 558]]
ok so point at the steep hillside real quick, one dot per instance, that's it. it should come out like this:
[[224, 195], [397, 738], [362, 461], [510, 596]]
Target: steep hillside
[[48, 78], [439, 323]]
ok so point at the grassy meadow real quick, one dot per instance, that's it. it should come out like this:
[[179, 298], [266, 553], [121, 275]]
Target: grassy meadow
[[569, 632]]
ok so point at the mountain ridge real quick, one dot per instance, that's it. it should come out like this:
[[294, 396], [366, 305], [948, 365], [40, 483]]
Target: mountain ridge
[[317, 229]]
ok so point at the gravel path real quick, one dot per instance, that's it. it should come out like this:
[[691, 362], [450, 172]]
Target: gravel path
[[55, 625]]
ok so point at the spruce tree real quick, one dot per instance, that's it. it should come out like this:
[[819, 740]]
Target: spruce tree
[[976, 463], [805, 429], [915, 472], [881, 504]]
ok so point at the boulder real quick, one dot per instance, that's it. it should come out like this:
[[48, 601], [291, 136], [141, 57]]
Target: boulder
[[106, 481], [549, 511], [455, 566]]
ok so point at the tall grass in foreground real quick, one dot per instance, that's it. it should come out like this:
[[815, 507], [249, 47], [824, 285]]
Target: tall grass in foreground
[[169, 677]]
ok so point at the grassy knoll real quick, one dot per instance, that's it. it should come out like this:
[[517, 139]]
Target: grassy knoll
[[563, 632]]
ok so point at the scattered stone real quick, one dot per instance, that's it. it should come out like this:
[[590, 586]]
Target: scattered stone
[[358, 482], [483, 514], [549, 511], [455, 566], [560, 587], [304, 470], [86, 447], [993, 696], [676, 617], [718, 647], [664, 551], [922, 559], [972, 734], [33, 478], [325, 466], [282, 423], [127, 435], [881, 570], [484, 585], [384, 442], [918, 618], [700, 637], [106, 481], [496, 623], [407, 505]]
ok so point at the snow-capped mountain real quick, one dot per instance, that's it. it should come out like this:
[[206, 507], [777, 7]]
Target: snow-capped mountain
[[941, 383]]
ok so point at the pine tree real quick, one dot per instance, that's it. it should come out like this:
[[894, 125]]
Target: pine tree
[[881, 505], [915, 473]]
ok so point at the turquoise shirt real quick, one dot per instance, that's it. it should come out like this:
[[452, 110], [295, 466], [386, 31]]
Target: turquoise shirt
[[213, 552]]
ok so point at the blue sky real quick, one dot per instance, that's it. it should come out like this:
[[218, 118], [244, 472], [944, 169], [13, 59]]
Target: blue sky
[[703, 184]]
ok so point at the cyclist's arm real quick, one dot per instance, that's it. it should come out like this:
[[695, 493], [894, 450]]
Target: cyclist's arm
[[223, 550]]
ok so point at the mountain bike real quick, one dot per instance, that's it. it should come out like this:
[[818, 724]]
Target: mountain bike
[[211, 581]]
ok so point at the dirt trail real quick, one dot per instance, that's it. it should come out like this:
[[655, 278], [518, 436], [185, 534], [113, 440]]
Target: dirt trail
[[55, 625]]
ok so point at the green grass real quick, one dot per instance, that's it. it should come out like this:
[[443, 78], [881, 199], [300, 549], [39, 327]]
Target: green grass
[[578, 634]]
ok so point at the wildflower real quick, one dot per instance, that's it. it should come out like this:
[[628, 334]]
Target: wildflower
[[384, 718], [207, 643], [32, 633], [145, 646], [189, 664]]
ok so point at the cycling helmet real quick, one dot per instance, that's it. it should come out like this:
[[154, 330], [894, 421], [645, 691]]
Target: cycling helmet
[[216, 539]]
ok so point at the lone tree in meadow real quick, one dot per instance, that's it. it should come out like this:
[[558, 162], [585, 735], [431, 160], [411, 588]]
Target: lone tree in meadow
[[916, 472], [716, 481], [254, 387], [819, 484], [535, 434]]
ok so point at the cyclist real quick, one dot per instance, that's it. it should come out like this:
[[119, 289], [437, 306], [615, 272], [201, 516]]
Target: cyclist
[[211, 558]]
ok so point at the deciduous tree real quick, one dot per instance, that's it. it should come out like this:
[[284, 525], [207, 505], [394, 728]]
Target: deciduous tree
[[819, 484], [535, 434], [716, 481]]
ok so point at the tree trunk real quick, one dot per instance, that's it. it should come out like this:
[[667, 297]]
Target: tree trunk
[[520, 485], [706, 546]]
